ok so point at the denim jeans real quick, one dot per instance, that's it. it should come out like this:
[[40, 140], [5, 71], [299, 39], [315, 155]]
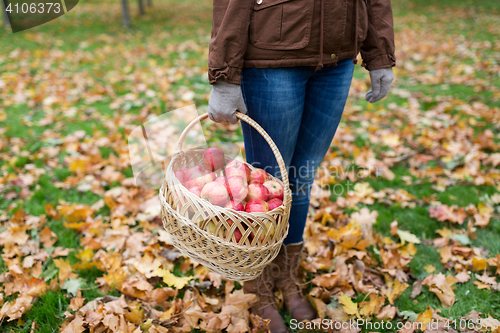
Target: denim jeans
[[300, 108]]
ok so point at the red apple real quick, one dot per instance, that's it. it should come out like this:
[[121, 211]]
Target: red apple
[[256, 205], [238, 168], [251, 237], [213, 159], [261, 238], [215, 193], [235, 185], [192, 183], [194, 172], [273, 203], [207, 188], [236, 205], [223, 181], [257, 191], [275, 189], [258, 176], [193, 177], [197, 182], [201, 179], [209, 177], [181, 176], [237, 235], [196, 190], [238, 188]]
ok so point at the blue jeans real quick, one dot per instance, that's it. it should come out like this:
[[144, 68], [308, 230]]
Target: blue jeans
[[300, 108]]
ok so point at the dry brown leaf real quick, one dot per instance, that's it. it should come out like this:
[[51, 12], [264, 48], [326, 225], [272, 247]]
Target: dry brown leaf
[[481, 285], [373, 306], [65, 270], [486, 279], [416, 288], [160, 295], [77, 302], [482, 220], [387, 313], [326, 280], [48, 237], [462, 277], [117, 307], [439, 286], [75, 326], [216, 279]]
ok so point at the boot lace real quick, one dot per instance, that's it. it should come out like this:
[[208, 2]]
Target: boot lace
[[291, 283], [265, 286]]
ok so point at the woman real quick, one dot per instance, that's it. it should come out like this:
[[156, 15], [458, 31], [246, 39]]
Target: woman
[[289, 65]]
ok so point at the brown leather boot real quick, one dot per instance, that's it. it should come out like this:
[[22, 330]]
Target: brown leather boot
[[288, 261], [266, 307]]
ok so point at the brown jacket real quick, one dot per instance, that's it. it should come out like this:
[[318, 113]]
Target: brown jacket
[[286, 33]]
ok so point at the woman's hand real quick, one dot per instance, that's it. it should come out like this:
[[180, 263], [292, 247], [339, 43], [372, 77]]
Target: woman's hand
[[225, 100], [381, 83]]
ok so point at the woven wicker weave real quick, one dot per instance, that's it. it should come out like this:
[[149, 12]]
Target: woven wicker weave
[[186, 217]]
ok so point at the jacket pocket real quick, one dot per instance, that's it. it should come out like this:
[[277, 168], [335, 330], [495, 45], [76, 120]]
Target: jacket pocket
[[281, 24]]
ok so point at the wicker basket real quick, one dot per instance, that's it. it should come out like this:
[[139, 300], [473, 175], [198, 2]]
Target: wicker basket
[[187, 218]]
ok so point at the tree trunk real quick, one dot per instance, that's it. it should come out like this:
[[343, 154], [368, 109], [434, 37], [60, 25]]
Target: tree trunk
[[150, 3], [126, 14], [141, 7], [6, 20]]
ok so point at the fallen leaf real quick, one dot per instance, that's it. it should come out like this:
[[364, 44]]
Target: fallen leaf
[[77, 302], [72, 285], [481, 285], [416, 289], [462, 277], [397, 289], [425, 317], [439, 286], [172, 280], [48, 237], [75, 326], [430, 268], [65, 270], [479, 264], [349, 306], [407, 237], [387, 313]]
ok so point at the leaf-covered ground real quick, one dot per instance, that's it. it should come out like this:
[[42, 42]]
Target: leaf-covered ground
[[405, 214]]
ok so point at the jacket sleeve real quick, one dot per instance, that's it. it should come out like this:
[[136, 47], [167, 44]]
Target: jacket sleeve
[[378, 48], [230, 24]]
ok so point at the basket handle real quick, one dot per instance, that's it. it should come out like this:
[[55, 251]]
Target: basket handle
[[258, 128]]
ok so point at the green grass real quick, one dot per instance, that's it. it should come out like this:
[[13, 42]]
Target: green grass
[[48, 312], [426, 255], [49, 193], [468, 298], [488, 237]]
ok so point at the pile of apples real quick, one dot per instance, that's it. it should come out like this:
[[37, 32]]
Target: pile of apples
[[237, 187]]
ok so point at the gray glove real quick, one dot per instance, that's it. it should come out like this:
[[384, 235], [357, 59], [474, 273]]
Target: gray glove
[[225, 100], [381, 83]]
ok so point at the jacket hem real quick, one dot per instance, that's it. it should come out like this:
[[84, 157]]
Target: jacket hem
[[293, 62]]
